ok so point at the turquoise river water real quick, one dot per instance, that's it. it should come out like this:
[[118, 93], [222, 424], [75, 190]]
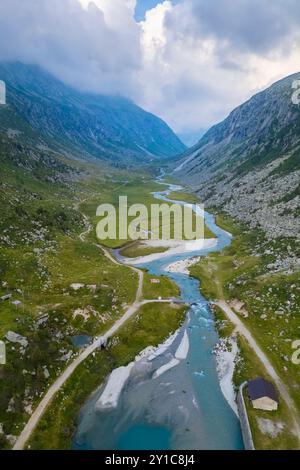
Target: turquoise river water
[[184, 407]]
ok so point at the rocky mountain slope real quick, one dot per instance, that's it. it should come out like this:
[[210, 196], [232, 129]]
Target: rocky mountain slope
[[249, 164], [105, 127]]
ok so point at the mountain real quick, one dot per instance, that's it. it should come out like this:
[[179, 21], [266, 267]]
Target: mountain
[[190, 138], [106, 127], [249, 164]]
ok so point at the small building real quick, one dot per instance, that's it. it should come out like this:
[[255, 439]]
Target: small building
[[263, 395], [155, 281]]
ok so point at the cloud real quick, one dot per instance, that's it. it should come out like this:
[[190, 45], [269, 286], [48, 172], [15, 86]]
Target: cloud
[[142, 6], [203, 58], [252, 26], [91, 48], [189, 61]]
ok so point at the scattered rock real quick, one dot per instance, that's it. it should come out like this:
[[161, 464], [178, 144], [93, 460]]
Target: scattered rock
[[269, 427], [6, 297], [66, 357], [77, 286], [15, 338], [11, 439], [46, 372]]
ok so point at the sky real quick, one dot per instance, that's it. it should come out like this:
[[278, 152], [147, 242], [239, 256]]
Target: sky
[[188, 61], [142, 6]]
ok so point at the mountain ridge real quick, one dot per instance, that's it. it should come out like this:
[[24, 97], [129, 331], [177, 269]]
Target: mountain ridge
[[249, 164], [100, 126]]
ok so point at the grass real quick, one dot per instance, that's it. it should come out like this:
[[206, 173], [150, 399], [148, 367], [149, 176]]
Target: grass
[[191, 199], [40, 257], [72, 262], [218, 271], [183, 196], [150, 326], [137, 192], [224, 326], [228, 224], [165, 288], [135, 249], [285, 440], [249, 367]]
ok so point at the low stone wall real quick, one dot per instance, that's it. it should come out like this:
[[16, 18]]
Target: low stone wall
[[245, 425]]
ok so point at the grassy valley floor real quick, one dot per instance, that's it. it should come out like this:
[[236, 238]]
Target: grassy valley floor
[[60, 285], [54, 286]]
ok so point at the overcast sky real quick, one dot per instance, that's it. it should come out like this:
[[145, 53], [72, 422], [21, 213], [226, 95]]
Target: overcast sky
[[188, 61]]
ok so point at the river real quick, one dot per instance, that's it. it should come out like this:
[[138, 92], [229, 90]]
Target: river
[[179, 407]]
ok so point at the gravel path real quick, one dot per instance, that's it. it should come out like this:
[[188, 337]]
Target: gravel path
[[60, 381], [284, 392]]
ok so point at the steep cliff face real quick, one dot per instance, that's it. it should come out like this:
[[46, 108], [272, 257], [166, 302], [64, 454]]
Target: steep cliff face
[[102, 126], [250, 163]]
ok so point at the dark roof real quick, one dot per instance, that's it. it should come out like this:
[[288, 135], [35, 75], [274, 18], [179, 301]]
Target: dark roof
[[259, 388]]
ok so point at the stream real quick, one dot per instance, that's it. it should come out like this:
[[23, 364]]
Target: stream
[[169, 404]]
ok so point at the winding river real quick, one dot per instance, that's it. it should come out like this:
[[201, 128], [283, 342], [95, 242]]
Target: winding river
[[170, 404]]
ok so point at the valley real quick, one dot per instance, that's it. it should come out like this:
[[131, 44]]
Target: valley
[[67, 287], [61, 288]]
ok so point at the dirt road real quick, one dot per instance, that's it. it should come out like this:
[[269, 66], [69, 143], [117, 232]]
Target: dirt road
[[243, 330], [60, 381]]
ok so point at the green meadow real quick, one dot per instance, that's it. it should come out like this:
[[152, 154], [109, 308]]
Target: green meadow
[[65, 286]]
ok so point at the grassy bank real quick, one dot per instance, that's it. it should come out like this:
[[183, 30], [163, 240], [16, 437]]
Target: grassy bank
[[159, 286], [135, 249], [137, 191]]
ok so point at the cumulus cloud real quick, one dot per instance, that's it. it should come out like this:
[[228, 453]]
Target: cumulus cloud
[[189, 61], [206, 57]]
